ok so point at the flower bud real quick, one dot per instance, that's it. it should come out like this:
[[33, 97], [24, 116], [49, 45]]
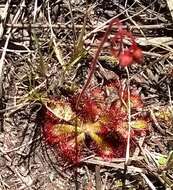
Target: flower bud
[[125, 58], [137, 55]]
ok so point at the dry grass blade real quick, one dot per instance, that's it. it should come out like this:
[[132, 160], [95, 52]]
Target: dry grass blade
[[150, 184], [170, 5], [56, 48], [130, 169], [4, 12], [35, 10], [2, 60], [98, 178], [157, 41], [79, 51], [72, 21], [80, 26]]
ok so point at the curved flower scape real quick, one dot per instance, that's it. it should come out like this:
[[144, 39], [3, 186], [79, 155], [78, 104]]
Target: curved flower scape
[[99, 125]]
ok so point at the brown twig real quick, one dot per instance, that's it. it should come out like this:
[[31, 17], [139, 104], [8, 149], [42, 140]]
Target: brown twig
[[79, 26]]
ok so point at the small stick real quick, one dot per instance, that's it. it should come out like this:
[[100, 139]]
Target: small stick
[[79, 26]]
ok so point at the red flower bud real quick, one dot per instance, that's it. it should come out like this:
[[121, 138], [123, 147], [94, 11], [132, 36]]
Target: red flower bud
[[125, 58], [137, 55]]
